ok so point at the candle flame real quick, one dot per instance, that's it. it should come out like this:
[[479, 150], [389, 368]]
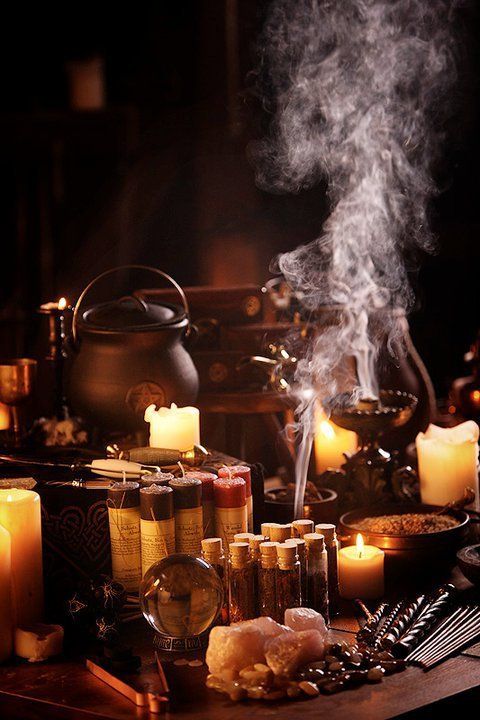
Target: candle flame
[[62, 303], [360, 545], [9, 498], [326, 428]]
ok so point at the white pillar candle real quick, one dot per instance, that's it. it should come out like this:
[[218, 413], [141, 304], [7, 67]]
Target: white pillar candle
[[447, 462], [360, 571], [6, 620], [331, 442], [173, 428], [20, 515]]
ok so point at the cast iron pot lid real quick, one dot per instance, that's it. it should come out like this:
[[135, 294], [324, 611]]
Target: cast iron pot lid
[[132, 314]]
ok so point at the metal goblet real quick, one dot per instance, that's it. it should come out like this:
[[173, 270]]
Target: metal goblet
[[17, 379]]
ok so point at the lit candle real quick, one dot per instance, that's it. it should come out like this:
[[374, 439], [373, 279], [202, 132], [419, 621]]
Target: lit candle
[[20, 514], [447, 462], [173, 428], [360, 571], [6, 620], [331, 442]]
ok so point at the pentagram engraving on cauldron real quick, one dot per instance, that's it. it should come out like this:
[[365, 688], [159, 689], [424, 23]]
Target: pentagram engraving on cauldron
[[144, 394]]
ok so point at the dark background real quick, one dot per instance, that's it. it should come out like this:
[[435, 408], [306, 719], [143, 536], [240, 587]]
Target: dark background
[[161, 175]]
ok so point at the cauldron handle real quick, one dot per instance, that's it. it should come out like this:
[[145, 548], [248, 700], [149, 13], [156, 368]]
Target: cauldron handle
[[162, 274]]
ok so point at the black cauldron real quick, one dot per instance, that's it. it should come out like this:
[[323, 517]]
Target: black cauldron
[[126, 354]]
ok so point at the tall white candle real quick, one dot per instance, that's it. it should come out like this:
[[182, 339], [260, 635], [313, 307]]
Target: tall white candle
[[6, 620], [360, 571], [447, 462], [331, 443], [20, 514], [173, 428]]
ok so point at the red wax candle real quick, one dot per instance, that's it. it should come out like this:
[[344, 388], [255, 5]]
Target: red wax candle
[[208, 504], [242, 471], [230, 499]]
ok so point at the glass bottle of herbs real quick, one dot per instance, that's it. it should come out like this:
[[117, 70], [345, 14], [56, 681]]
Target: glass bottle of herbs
[[331, 543], [301, 527], [241, 583], [288, 588], [267, 588], [212, 552], [317, 574], [302, 558], [255, 541]]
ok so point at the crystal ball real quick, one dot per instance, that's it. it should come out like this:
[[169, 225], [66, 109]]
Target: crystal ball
[[181, 596]]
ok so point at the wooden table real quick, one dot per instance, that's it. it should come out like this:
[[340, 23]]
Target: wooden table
[[64, 690]]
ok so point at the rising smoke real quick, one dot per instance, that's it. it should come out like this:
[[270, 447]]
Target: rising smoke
[[359, 93]]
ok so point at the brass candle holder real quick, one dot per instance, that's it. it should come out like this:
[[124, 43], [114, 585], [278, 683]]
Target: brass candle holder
[[17, 379]]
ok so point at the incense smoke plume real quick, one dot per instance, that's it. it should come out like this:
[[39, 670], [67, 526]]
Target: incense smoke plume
[[359, 92]]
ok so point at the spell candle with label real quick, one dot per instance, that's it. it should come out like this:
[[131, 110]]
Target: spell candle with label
[[331, 545], [157, 524], [208, 504], [230, 508], [241, 581], [317, 574], [267, 592], [212, 552], [244, 472], [123, 504], [187, 502], [288, 586]]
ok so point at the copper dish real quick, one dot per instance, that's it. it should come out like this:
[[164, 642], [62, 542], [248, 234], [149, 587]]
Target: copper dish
[[424, 555]]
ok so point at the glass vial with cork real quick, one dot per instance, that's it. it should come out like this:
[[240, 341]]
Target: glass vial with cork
[[302, 558], [288, 588], [123, 502], [230, 508], [280, 533], [212, 552], [157, 524], [267, 589], [317, 574], [241, 582], [187, 502], [331, 544]]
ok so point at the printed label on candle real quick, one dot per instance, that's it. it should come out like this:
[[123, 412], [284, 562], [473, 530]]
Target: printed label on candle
[[229, 522], [208, 519], [158, 541], [125, 546], [189, 530]]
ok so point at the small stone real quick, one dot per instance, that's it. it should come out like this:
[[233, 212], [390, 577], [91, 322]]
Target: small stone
[[331, 658], [385, 655], [319, 665], [336, 666], [256, 692], [286, 653], [375, 674], [333, 687], [293, 690], [303, 618], [356, 658], [393, 666], [275, 695], [261, 667], [309, 688], [357, 677]]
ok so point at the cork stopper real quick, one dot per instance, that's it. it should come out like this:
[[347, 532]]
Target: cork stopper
[[266, 527], [299, 544], [159, 478], [280, 533], [206, 478], [212, 547], [123, 495], [328, 531], [286, 554], [239, 554], [187, 493], [229, 492], [156, 502], [243, 537], [300, 527], [315, 541], [268, 554]]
